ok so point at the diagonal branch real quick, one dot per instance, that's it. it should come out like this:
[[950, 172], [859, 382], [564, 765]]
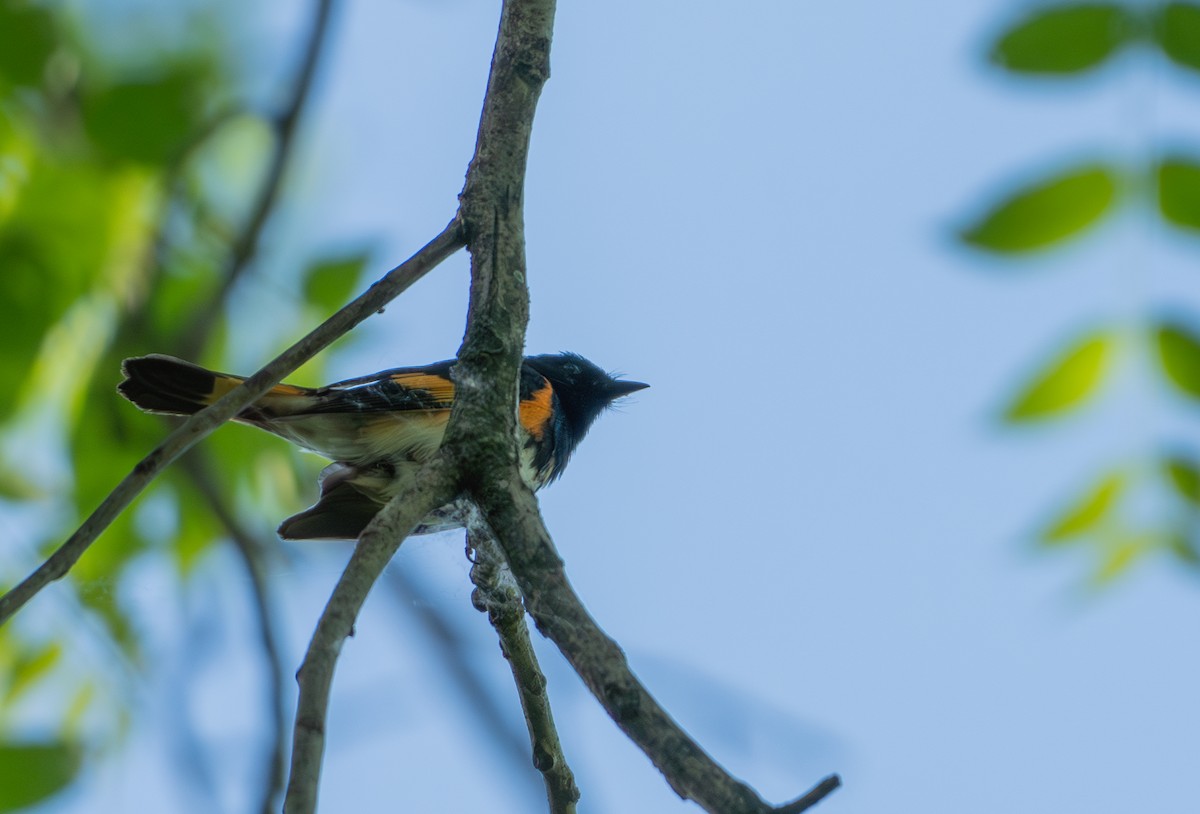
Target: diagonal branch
[[204, 422], [496, 595]]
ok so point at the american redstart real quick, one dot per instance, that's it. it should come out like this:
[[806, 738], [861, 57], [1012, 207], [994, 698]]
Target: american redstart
[[379, 429]]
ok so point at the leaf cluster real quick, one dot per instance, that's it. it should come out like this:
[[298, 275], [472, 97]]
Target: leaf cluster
[[1065, 41]]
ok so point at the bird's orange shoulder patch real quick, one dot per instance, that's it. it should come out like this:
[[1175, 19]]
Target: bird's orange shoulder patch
[[535, 412], [438, 387]]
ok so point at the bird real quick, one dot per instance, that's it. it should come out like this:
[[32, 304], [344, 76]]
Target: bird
[[378, 429]]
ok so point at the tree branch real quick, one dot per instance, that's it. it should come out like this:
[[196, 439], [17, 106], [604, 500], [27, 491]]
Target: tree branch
[[481, 436], [479, 453], [435, 485], [510, 511], [818, 793], [204, 422], [496, 595]]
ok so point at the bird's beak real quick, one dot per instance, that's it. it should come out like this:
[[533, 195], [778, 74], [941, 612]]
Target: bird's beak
[[623, 388]]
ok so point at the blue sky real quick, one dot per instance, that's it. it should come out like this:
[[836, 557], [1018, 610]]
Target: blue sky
[[811, 535]]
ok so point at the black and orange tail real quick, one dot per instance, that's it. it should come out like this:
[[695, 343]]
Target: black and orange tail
[[164, 384]]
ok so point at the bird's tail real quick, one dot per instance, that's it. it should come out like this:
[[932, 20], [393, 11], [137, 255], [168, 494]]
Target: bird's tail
[[164, 384]]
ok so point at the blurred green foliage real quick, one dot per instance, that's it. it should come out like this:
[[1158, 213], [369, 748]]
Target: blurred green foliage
[[1064, 39], [1184, 476], [1046, 212], [123, 186], [1066, 383], [31, 772], [1179, 191], [1179, 349], [1088, 510], [1177, 32], [1069, 40]]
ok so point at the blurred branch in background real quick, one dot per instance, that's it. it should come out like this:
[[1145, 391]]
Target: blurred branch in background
[[451, 648], [253, 555], [1061, 43], [285, 126]]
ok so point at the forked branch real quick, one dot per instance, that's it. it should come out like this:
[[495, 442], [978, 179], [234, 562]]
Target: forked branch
[[478, 457]]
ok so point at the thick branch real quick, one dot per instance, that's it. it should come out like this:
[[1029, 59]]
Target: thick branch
[[435, 485], [201, 424], [497, 596]]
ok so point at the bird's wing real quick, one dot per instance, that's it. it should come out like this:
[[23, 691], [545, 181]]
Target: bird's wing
[[420, 388]]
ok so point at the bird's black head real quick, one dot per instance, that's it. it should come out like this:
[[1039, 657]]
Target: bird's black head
[[583, 390]]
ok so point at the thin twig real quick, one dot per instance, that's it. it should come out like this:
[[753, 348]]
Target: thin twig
[[284, 124], [818, 793], [496, 595], [434, 486], [253, 556], [204, 422]]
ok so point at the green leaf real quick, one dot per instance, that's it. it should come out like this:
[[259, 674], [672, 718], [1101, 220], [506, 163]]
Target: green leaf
[[150, 119], [29, 667], [1184, 475], [16, 485], [27, 39], [198, 527], [1179, 191], [31, 772], [1179, 352], [1119, 557], [1064, 39], [1066, 383], [1046, 212], [1181, 547], [109, 440], [81, 701], [53, 249], [1177, 31], [1086, 512], [180, 286], [329, 282]]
